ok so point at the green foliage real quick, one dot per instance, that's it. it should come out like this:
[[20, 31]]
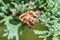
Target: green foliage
[[11, 30], [50, 17], [12, 23]]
